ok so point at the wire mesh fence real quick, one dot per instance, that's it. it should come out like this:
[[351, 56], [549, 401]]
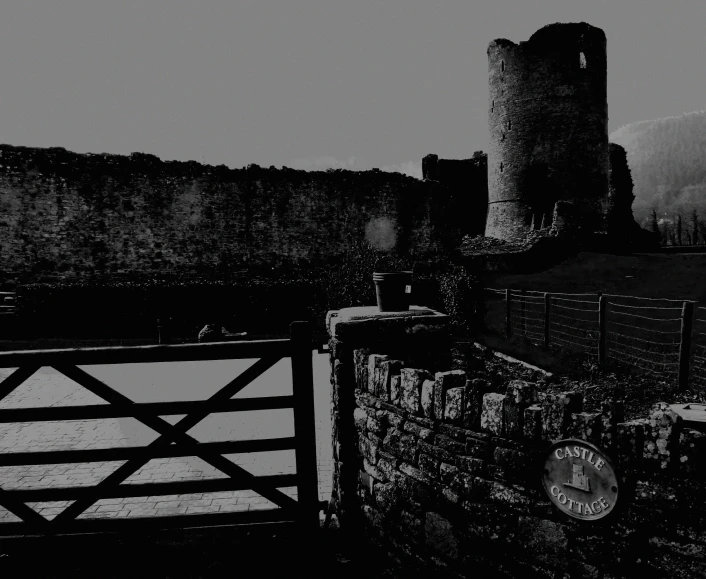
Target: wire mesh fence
[[662, 337]]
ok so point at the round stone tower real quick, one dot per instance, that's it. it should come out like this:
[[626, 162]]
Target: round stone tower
[[548, 118]]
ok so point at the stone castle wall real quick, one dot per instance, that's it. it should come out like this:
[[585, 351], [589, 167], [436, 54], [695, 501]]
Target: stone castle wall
[[548, 122], [443, 469], [467, 180], [63, 213]]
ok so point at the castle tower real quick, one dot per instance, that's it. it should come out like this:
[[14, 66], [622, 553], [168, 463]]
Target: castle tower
[[548, 120]]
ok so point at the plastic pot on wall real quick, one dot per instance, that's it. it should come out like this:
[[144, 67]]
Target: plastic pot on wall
[[393, 290]]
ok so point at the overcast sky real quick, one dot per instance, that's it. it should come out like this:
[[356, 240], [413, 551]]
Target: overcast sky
[[310, 84]]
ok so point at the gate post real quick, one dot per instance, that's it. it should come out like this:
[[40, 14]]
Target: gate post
[[416, 338], [304, 425]]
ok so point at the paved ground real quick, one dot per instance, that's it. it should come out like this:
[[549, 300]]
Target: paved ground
[[152, 383]]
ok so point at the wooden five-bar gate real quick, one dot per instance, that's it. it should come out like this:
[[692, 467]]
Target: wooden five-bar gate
[[173, 440]]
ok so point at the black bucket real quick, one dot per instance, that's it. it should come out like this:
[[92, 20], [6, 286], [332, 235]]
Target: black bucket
[[393, 290]]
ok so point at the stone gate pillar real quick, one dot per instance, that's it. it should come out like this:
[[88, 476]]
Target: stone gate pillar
[[419, 337]]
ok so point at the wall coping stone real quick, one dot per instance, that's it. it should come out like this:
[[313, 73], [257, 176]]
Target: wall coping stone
[[365, 321]]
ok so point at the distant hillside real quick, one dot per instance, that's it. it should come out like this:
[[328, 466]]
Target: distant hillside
[[667, 158]]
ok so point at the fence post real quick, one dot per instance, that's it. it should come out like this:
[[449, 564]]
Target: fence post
[[159, 331], [687, 318], [304, 425], [602, 310], [523, 311], [508, 308], [547, 307]]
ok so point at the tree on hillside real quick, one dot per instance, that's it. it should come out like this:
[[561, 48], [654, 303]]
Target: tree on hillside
[[694, 227], [654, 225], [679, 232]]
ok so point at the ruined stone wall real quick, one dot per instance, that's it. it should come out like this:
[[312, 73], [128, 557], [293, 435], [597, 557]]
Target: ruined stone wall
[[443, 469], [548, 121], [467, 181], [73, 214]]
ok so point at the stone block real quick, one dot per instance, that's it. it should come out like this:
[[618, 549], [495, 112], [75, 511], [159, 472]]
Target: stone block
[[449, 444], [368, 449], [375, 427], [478, 448], [630, 442], [520, 395], [586, 426], [443, 381], [374, 361], [475, 390], [395, 389], [692, 452], [447, 472], [453, 409], [366, 481], [500, 493], [383, 374], [374, 471], [415, 473], [411, 395], [472, 465], [532, 427], [428, 398], [387, 465], [612, 414], [455, 432], [363, 399], [401, 445], [389, 418], [356, 325], [440, 536], [493, 416], [436, 452], [545, 541], [429, 465], [360, 360], [556, 413], [419, 431], [360, 418], [662, 433]]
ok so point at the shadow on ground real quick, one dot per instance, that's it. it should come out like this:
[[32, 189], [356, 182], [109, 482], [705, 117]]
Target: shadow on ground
[[213, 553]]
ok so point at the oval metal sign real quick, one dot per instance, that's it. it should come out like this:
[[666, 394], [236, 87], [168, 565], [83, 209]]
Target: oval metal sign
[[580, 480]]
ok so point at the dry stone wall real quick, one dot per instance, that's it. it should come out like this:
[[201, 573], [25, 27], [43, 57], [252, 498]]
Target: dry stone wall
[[443, 470]]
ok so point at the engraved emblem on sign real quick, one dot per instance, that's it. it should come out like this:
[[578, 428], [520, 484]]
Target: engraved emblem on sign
[[580, 480]]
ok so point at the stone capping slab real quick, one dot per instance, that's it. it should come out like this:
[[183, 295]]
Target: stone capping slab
[[367, 315]]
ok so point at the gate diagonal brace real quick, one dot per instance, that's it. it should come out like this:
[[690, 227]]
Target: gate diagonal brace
[[171, 433], [16, 379], [27, 514]]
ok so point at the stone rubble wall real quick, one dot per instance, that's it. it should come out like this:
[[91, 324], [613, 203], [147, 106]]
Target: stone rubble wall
[[446, 472], [71, 215]]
